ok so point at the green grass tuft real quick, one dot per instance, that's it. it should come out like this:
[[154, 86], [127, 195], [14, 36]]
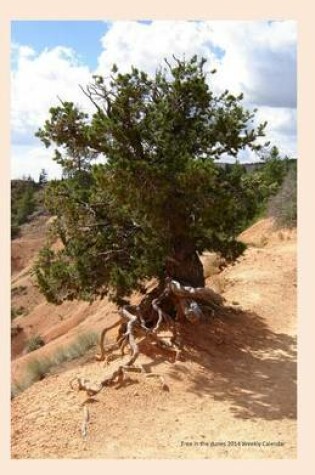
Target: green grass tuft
[[37, 369], [34, 343]]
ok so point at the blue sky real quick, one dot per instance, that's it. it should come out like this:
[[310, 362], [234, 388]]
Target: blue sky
[[83, 36], [52, 58]]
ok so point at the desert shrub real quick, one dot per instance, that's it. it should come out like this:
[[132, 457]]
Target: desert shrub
[[15, 231], [34, 343], [16, 312], [76, 349], [19, 290], [38, 368], [283, 206], [35, 370], [18, 387], [87, 340]]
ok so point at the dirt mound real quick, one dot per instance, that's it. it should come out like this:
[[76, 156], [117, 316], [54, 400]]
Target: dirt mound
[[265, 231], [233, 396]]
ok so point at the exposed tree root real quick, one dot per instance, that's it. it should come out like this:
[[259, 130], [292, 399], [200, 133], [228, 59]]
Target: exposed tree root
[[145, 321]]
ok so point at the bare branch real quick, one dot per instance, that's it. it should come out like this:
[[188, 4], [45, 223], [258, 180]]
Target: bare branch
[[87, 93]]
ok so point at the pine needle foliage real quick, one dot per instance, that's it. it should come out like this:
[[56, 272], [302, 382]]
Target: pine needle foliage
[[158, 195]]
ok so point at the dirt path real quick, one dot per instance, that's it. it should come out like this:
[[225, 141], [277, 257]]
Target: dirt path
[[233, 397]]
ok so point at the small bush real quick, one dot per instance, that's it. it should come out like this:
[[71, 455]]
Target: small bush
[[87, 340], [76, 349], [37, 368], [34, 343], [15, 231], [18, 387], [16, 312], [19, 290]]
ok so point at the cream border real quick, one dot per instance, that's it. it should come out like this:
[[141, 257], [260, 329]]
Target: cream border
[[224, 9]]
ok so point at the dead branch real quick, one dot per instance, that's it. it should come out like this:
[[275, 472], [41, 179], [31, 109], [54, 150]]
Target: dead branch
[[101, 356]]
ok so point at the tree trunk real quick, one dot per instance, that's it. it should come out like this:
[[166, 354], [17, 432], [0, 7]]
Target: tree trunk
[[185, 265]]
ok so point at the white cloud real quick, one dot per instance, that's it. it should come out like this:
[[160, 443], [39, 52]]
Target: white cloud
[[29, 160], [129, 43], [36, 81], [281, 127], [257, 58], [254, 57]]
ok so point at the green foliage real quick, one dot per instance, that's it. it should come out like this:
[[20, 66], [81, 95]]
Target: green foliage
[[37, 369], [267, 180], [22, 203], [34, 343], [27, 197], [159, 195], [78, 348], [16, 312], [274, 171]]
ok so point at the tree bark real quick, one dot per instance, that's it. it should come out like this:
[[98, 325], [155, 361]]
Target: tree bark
[[185, 266]]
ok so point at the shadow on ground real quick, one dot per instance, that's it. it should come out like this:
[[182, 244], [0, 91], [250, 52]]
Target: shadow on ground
[[242, 361]]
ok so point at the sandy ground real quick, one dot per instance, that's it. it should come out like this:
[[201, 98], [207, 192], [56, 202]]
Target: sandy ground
[[233, 396]]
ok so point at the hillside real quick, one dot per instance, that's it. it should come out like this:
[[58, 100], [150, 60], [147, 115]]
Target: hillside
[[235, 388], [27, 202]]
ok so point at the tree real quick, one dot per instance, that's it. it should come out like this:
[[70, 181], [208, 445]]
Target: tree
[[283, 205], [43, 177], [22, 203], [274, 170], [268, 179], [156, 202]]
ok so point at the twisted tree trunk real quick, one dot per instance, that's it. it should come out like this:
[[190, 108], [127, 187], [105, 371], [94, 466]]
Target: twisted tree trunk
[[178, 299], [184, 265]]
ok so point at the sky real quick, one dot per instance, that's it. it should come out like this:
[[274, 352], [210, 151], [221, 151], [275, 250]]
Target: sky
[[50, 59]]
